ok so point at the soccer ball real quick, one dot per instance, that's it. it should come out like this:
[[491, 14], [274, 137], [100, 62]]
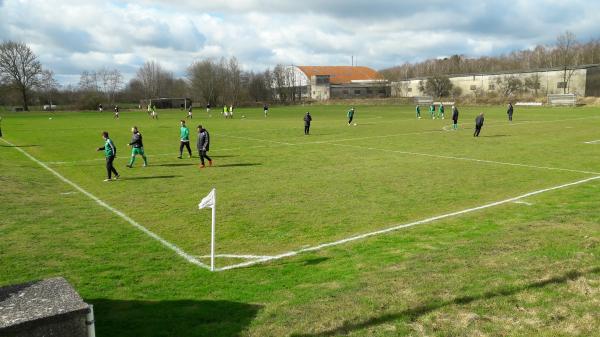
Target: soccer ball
[[49, 117], [355, 124]]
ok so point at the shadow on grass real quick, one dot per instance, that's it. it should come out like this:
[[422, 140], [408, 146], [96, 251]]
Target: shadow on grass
[[494, 136], [172, 318], [149, 177], [176, 165], [412, 314], [239, 165]]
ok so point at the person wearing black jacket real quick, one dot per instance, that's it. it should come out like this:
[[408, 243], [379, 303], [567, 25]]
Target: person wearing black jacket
[[203, 145], [137, 147], [510, 111], [454, 118], [307, 120], [478, 124]]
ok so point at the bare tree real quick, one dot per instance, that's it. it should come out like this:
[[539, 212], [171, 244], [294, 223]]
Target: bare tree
[[436, 86], [509, 85], [565, 48], [20, 66], [533, 83], [156, 81], [48, 85], [88, 81]]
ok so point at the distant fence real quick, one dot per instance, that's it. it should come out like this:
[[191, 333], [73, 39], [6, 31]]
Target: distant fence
[[562, 100]]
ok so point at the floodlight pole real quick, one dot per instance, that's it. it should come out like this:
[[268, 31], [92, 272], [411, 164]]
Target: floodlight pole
[[212, 232]]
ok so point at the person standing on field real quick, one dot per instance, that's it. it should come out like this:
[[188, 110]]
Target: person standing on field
[[184, 139], [116, 112], [225, 110], [350, 115], [418, 111], [454, 118], [478, 124], [307, 120], [231, 111], [100, 107], [441, 111], [432, 111], [208, 109], [110, 152], [189, 115], [266, 109], [137, 147], [510, 111], [203, 145]]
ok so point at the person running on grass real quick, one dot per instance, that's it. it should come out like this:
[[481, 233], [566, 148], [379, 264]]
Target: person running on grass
[[110, 152], [116, 112], [184, 137], [137, 147], [307, 120], [454, 118], [266, 109], [510, 111], [154, 114], [432, 110], [224, 110], [478, 124], [231, 111], [350, 115], [203, 145], [418, 111], [100, 107], [441, 110], [208, 109]]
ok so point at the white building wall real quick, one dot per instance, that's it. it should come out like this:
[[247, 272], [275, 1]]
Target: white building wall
[[473, 84]]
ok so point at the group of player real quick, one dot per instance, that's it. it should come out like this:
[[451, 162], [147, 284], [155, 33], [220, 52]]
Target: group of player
[[479, 120], [137, 148]]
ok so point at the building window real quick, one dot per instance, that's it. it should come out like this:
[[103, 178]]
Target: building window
[[473, 87], [561, 85], [322, 79], [357, 92], [345, 92], [492, 87]]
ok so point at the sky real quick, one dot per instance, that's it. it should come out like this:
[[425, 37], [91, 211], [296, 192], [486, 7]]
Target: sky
[[71, 36]]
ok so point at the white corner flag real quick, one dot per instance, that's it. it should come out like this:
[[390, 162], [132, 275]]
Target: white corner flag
[[210, 201]]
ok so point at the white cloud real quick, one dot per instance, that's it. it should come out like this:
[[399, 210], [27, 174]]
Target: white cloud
[[70, 36]]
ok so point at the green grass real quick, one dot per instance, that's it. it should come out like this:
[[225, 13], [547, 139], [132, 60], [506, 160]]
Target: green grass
[[510, 270]]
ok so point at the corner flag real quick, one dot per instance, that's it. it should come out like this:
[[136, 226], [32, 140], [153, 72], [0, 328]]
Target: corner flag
[[208, 201]]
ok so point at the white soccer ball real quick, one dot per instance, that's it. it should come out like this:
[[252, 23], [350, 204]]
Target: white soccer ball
[[355, 124], [49, 117]]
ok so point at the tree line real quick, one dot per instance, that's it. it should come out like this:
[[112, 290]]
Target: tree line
[[206, 81], [565, 52]]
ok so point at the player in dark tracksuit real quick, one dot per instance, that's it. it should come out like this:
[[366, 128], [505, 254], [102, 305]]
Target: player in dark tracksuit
[[307, 120], [454, 118], [478, 124], [137, 147], [203, 145], [110, 152], [510, 111]]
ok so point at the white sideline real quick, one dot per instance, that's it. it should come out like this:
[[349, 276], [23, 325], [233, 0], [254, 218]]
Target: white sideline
[[401, 226], [164, 242], [469, 159], [593, 142], [237, 256]]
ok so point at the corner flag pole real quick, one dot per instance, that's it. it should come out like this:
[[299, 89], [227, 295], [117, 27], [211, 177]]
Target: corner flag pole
[[212, 235]]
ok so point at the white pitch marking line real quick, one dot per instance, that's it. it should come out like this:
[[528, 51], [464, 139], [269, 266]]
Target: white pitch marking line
[[257, 139], [68, 193], [592, 142], [402, 226], [470, 159], [522, 202], [164, 242]]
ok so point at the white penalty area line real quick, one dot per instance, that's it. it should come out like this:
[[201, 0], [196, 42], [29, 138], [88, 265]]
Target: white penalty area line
[[402, 226], [122, 215], [592, 142]]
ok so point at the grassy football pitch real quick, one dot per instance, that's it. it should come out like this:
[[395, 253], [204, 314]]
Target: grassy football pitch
[[488, 236]]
